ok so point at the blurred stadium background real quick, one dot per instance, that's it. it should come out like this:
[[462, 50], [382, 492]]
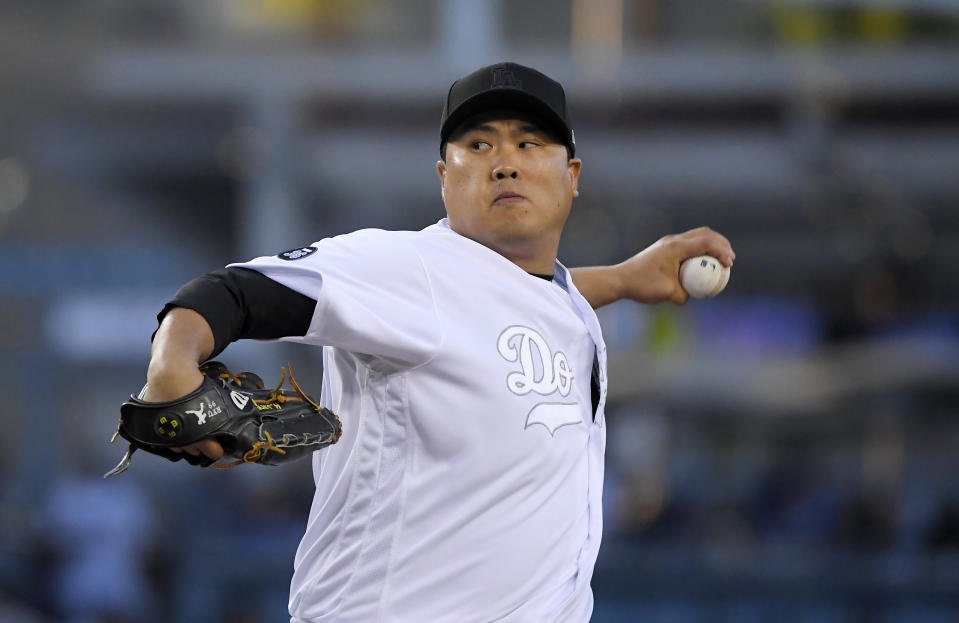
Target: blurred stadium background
[[785, 453]]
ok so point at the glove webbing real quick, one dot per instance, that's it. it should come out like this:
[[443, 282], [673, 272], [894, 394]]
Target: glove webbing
[[260, 448]]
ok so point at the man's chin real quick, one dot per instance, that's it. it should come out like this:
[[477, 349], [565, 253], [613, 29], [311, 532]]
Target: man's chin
[[511, 229], [520, 238]]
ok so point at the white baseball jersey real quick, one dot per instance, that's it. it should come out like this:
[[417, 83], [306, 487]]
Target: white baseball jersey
[[467, 484]]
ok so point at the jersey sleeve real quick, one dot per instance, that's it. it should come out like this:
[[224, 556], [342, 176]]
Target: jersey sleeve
[[372, 291]]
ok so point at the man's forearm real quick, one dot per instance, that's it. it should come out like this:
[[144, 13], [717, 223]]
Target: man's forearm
[[600, 285], [183, 340]]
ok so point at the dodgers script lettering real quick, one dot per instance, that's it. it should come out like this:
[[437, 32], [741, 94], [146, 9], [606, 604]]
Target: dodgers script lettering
[[527, 347]]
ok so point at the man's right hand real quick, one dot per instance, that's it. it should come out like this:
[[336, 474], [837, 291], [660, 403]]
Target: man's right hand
[[209, 447], [183, 340]]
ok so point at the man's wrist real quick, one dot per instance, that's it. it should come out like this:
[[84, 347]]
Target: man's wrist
[[618, 281], [169, 380]]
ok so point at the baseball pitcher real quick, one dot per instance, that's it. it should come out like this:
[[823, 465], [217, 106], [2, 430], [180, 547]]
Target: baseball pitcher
[[458, 442]]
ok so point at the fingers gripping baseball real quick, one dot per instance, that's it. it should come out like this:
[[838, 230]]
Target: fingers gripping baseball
[[652, 276]]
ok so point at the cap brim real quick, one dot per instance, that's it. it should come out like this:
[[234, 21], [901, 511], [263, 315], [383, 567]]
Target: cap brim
[[508, 99]]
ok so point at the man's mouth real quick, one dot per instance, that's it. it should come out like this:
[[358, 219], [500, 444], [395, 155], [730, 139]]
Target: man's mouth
[[508, 197]]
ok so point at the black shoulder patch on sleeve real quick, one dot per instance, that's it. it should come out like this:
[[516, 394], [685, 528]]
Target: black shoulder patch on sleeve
[[296, 254]]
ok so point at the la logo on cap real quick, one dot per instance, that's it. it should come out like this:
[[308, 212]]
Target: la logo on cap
[[503, 77]]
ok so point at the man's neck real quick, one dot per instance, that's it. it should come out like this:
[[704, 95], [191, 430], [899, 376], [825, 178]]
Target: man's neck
[[538, 267], [537, 258]]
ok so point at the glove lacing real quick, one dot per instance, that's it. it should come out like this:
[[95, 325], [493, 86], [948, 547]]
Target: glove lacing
[[261, 448]]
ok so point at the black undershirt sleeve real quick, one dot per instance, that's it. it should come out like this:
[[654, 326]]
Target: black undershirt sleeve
[[240, 303]]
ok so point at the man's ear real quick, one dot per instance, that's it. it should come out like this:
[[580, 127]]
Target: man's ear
[[575, 165], [441, 171]]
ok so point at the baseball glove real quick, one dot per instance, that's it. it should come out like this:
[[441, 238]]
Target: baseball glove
[[253, 424]]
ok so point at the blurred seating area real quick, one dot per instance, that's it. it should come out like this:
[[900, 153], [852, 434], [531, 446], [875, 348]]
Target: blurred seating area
[[786, 452]]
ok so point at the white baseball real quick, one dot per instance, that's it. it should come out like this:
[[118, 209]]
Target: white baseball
[[703, 277]]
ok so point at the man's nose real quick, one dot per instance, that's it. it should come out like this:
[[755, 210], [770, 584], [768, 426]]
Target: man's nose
[[503, 171]]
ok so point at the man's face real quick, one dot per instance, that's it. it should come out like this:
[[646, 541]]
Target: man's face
[[509, 185]]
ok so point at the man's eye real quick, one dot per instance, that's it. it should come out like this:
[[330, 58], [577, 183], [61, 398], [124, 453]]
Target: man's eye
[[480, 145], [527, 144]]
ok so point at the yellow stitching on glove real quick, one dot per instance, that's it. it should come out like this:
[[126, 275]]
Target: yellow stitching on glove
[[255, 453], [117, 434], [300, 391], [276, 394]]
